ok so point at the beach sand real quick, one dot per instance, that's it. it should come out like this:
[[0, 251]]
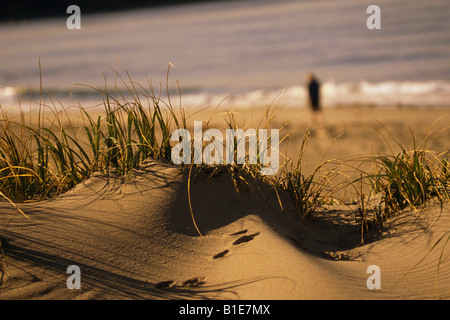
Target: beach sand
[[135, 238]]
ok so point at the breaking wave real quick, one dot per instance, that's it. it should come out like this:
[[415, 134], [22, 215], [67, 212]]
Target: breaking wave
[[384, 94]]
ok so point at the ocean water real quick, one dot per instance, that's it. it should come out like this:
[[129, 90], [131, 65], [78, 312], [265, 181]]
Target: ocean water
[[247, 52]]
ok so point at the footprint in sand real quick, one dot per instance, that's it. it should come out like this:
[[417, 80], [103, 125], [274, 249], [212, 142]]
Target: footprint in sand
[[165, 284], [193, 282], [239, 232], [243, 239], [221, 254], [197, 281]]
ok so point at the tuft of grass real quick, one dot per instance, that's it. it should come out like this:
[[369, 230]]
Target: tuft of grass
[[49, 157], [407, 179], [310, 191], [20, 173], [135, 127]]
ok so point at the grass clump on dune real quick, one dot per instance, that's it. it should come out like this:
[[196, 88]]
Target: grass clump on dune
[[407, 179], [410, 179], [308, 191], [43, 158], [133, 128]]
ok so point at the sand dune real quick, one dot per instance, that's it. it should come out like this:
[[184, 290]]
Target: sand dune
[[136, 239]]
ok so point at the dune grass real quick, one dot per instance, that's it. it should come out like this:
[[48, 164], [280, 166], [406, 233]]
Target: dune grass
[[410, 179], [48, 156], [309, 191], [406, 179]]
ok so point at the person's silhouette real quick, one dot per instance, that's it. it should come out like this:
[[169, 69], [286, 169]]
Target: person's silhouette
[[314, 98]]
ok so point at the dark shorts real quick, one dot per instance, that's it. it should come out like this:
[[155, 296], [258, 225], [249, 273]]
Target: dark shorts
[[315, 104]]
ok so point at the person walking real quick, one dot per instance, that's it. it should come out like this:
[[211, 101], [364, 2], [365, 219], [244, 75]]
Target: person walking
[[314, 99]]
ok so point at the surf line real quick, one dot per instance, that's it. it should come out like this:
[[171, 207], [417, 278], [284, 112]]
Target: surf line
[[187, 151]]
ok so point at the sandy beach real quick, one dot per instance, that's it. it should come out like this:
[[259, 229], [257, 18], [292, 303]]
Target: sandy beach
[[136, 238]]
